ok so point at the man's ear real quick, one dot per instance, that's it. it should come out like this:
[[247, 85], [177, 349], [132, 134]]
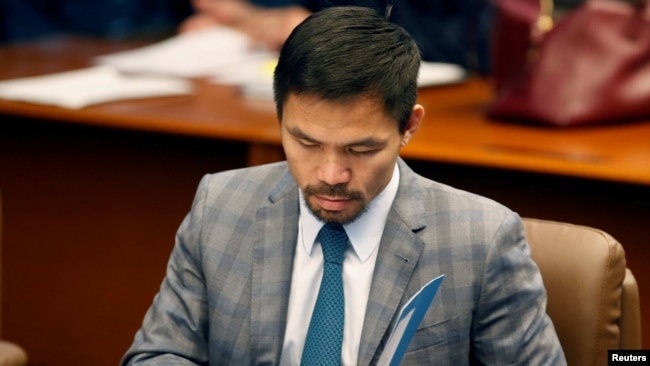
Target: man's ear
[[417, 114]]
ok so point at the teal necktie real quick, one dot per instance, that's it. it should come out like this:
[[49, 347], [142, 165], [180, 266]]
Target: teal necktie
[[325, 334]]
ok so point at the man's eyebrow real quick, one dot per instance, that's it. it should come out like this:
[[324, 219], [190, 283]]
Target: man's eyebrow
[[298, 133], [367, 142]]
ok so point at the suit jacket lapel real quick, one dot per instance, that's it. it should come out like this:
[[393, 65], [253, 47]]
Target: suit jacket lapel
[[276, 234], [399, 251]]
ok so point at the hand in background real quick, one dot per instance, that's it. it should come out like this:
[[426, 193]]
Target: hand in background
[[269, 27]]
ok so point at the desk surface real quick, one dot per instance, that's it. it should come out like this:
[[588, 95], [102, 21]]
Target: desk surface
[[455, 129]]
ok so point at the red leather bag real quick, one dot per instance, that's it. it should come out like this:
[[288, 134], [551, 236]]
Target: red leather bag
[[591, 66]]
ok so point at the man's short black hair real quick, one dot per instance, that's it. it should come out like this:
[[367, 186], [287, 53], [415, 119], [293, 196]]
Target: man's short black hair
[[342, 53]]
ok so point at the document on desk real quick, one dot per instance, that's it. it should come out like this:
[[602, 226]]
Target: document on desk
[[440, 73], [83, 87], [407, 322], [255, 76], [228, 56], [208, 52]]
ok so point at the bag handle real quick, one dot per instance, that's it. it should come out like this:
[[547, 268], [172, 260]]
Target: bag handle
[[544, 21], [541, 26]]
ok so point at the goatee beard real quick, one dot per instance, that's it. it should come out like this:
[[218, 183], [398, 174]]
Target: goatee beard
[[334, 191]]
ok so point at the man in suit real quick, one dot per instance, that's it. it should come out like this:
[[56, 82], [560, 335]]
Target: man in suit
[[243, 278]]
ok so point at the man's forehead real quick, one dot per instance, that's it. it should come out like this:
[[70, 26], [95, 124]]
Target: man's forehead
[[358, 104]]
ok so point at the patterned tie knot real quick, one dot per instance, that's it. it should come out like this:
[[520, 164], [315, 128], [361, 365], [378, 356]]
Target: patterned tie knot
[[334, 242]]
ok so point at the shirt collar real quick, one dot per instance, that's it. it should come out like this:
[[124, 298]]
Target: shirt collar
[[364, 232]]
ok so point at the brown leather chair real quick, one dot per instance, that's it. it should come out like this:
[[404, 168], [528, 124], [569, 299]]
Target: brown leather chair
[[10, 353], [593, 298]]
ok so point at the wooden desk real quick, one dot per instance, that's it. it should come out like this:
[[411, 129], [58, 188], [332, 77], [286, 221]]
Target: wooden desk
[[92, 197], [454, 129]]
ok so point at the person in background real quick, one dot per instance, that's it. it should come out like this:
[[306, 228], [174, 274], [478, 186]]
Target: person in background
[[451, 31], [345, 212], [26, 20]]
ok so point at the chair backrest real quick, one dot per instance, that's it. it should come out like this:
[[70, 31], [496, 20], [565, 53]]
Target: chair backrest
[[593, 298]]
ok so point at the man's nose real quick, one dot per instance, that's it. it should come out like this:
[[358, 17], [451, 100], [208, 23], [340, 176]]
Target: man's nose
[[333, 170]]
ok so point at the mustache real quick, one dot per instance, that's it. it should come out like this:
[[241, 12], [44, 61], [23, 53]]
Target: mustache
[[337, 190]]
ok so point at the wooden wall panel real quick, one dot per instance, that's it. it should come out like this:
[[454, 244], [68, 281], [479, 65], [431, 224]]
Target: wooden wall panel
[[90, 218]]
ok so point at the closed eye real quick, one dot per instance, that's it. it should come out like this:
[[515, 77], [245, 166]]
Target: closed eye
[[359, 151], [307, 143]]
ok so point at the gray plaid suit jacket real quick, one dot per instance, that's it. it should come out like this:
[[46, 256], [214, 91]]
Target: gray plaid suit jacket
[[224, 298]]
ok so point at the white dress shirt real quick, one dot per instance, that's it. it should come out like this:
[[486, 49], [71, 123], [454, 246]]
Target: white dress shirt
[[358, 266]]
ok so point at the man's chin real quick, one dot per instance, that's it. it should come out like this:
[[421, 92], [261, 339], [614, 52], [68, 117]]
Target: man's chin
[[339, 217]]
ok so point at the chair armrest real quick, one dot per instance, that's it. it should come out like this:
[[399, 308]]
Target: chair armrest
[[630, 322]]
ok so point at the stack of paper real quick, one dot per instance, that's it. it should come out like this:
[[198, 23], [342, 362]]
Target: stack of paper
[[438, 73], [156, 70], [227, 56], [222, 54], [208, 52], [80, 88]]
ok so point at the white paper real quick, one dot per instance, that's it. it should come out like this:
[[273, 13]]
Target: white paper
[[80, 88], [228, 56], [438, 73], [207, 52], [256, 80], [254, 77]]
